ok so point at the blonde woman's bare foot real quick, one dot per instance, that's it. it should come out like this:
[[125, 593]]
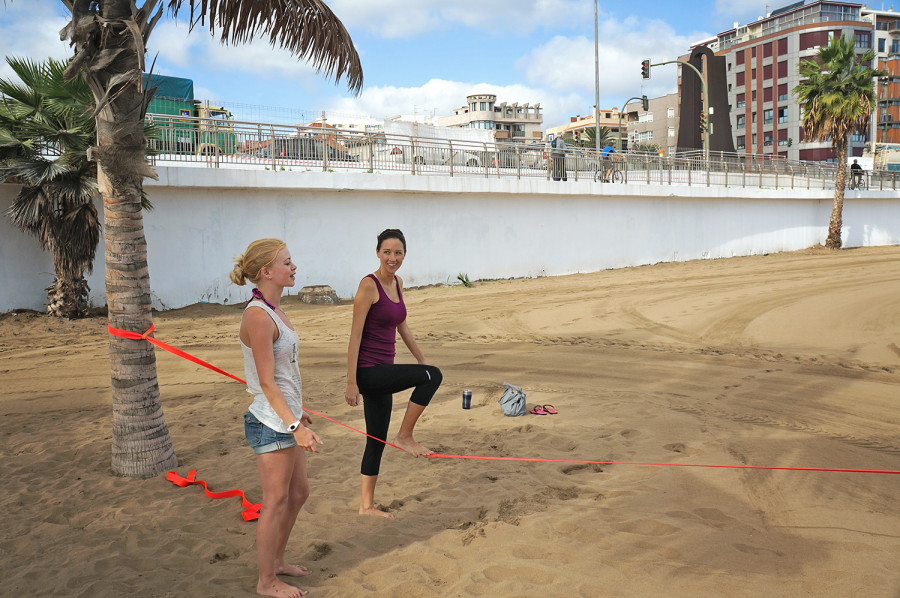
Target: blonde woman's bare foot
[[412, 447], [292, 570], [376, 512], [279, 589]]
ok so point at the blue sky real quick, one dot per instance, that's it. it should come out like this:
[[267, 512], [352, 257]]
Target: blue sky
[[425, 56]]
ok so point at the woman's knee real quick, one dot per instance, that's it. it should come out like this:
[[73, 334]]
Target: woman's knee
[[435, 375]]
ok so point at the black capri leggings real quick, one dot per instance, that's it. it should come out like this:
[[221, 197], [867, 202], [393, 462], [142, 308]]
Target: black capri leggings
[[377, 384]]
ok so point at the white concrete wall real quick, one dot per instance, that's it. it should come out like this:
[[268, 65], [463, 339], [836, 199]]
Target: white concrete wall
[[486, 228]]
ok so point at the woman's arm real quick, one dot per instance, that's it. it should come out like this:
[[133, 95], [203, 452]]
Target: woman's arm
[[365, 296], [259, 329]]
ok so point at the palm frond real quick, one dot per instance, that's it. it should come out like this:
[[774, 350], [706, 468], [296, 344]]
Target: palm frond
[[306, 28]]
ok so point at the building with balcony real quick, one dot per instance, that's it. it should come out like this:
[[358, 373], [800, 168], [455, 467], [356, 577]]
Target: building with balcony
[[656, 126], [886, 122], [762, 69], [510, 123]]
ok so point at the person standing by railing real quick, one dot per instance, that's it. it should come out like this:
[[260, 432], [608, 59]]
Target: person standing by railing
[[558, 157]]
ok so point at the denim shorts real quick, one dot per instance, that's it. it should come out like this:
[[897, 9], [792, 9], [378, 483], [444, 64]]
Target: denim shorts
[[262, 438]]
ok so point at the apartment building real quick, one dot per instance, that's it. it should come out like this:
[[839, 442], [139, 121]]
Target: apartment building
[[510, 122], [762, 68], [886, 24], [656, 126]]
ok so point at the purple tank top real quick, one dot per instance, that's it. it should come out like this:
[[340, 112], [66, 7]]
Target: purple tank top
[[379, 335]]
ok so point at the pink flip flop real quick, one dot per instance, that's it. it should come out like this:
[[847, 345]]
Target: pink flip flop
[[538, 410], [550, 409]]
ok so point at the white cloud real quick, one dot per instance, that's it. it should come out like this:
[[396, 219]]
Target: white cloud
[[30, 28], [567, 64], [440, 97], [410, 18]]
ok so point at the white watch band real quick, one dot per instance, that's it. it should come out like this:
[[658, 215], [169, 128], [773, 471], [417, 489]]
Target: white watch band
[[293, 427]]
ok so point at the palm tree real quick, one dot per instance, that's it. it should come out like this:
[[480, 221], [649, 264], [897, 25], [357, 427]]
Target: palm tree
[[837, 98], [587, 138], [46, 127], [110, 39]]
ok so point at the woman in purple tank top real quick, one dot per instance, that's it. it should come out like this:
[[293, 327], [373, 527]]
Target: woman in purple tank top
[[378, 315]]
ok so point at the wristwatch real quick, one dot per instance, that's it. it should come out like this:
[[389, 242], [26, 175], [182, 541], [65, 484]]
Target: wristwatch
[[293, 427]]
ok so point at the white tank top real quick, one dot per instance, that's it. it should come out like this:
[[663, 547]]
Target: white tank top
[[287, 374]]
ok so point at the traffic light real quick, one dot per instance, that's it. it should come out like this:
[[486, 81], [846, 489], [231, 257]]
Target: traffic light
[[703, 122], [645, 68], [790, 141], [645, 103]]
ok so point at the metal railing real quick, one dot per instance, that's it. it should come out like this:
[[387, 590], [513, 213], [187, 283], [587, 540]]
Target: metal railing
[[189, 141]]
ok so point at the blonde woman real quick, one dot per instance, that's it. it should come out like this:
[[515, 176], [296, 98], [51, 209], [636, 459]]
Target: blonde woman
[[275, 425]]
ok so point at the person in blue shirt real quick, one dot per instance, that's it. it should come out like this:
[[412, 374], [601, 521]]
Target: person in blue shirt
[[606, 157]]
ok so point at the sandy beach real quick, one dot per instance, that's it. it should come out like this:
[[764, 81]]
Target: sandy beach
[[788, 360]]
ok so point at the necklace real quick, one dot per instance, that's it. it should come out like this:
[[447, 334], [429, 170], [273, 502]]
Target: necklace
[[257, 294]]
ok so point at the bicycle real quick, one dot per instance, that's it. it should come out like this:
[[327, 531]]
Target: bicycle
[[615, 174], [857, 182]]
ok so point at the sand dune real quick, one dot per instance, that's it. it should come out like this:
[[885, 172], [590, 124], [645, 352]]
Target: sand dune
[[789, 360]]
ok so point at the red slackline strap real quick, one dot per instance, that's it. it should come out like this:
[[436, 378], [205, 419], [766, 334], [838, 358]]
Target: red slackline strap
[[146, 336], [251, 511]]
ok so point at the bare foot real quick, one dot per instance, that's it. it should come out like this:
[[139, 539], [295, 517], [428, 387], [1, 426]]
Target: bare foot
[[279, 589], [374, 511], [412, 447], [292, 570]]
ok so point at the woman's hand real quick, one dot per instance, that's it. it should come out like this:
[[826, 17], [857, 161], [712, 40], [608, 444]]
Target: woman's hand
[[307, 439], [351, 395], [306, 420]]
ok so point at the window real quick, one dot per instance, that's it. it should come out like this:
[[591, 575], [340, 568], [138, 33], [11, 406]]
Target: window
[[767, 72], [881, 44], [782, 92], [741, 141], [671, 131], [739, 57], [767, 117], [782, 69], [767, 140], [645, 117], [767, 50], [753, 117], [740, 121], [782, 115], [740, 100], [782, 46], [739, 79], [863, 40], [753, 139], [767, 94], [670, 113]]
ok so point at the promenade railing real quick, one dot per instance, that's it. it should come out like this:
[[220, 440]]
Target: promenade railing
[[190, 141]]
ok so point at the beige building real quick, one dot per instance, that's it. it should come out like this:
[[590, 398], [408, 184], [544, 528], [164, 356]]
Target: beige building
[[511, 123], [657, 126], [577, 125]]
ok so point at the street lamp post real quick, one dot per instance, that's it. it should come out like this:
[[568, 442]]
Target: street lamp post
[[596, 82]]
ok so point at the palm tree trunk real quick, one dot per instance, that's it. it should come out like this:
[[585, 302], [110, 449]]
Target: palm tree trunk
[[834, 224], [141, 444]]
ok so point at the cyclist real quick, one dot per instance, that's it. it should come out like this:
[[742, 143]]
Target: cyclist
[[856, 174], [606, 159]]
